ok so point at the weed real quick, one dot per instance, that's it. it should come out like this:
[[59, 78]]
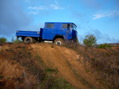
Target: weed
[[39, 60], [52, 46], [3, 40], [56, 83], [34, 74], [1, 77], [51, 70], [104, 46], [104, 61], [72, 45]]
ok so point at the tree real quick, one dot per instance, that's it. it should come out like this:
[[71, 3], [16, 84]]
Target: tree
[[89, 40], [3, 40]]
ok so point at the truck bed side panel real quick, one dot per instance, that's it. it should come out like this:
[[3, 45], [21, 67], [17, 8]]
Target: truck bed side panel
[[28, 33]]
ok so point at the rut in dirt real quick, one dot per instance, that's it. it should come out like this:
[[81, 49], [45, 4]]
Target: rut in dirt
[[69, 64]]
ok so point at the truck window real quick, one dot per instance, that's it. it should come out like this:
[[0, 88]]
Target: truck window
[[73, 26], [65, 26], [50, 25]]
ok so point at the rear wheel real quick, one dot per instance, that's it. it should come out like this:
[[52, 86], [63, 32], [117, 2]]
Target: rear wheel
[[29, 40], [59, 41]]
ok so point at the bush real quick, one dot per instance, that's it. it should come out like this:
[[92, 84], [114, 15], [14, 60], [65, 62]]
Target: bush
[[3, 40], [89, 40], [104, 46], [16, 41]]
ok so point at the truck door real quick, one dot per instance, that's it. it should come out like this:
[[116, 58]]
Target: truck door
[[48, 33], [66, 28]]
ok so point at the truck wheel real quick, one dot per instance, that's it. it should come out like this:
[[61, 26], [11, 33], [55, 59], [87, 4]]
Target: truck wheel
[[59, 41], [29, 40]]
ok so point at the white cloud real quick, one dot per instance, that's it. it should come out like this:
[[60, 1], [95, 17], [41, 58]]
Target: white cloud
[[33, 13], [34, 10], [98, 16], [37, 7], [106, 14], [56, 7], [52, 6]]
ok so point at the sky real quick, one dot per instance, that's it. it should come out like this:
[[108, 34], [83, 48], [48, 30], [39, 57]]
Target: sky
[[98, 17]]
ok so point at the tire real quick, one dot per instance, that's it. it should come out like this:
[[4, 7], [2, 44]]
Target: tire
[[59, 41], [29, 40]]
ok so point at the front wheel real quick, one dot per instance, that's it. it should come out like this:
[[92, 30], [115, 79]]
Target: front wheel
[[29, 40], [59, 41]]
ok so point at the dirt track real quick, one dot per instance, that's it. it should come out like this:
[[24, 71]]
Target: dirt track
[[69, 64]]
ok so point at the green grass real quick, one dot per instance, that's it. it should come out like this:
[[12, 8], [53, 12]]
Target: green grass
[[55, 83], [104, 46], [51, 70], [1, 76]]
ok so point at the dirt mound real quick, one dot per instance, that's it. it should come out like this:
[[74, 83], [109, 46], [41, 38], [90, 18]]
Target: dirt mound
[[13, 74], [69, 64]]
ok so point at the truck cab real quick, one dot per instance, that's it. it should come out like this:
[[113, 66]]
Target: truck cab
[[58, 32]]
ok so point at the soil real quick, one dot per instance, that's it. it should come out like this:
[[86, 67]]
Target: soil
[[70, 65]]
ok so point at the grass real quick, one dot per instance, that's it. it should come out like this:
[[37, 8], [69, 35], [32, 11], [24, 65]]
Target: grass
[[55, 83], [51, 70], [34, 73], [82, 79], [104, 62], [1, 77], [104, 46]]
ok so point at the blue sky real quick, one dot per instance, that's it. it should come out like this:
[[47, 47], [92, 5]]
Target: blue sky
[[98, 17]]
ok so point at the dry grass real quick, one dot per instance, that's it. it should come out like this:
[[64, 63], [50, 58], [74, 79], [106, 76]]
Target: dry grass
[[14, 76], [104, 63], [19, 69]]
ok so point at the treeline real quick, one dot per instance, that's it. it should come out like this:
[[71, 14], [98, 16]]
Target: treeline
[[4, 40]]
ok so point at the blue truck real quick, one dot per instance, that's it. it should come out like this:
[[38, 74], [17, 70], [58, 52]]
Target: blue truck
[[58, 32]]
